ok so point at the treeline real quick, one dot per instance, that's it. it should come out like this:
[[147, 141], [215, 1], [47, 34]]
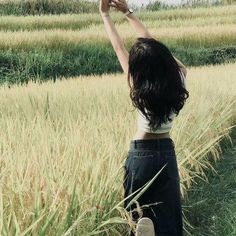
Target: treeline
[[158, 5], [199, 2], [39, 7]]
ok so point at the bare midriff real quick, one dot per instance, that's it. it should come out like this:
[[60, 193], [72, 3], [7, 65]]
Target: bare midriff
[[143, 135]]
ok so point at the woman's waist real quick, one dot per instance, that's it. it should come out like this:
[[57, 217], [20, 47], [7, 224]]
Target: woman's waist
[[164, 144], [144, 135]]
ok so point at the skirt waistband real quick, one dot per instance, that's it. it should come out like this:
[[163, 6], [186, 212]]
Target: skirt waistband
[[155, 144]]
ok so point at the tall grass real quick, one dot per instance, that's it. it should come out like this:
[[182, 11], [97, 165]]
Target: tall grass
[[64, 144], [46, 54], [204, 36], [48, 47], [212, 204], [176, 18]]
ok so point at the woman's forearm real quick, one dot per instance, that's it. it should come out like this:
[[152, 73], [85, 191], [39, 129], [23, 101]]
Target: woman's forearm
[[116, 42], [139, 28], [122, 5]]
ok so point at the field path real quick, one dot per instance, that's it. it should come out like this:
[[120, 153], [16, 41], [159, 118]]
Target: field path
[[211, 207]]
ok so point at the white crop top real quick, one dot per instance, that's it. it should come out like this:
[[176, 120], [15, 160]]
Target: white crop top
[[165, 127]]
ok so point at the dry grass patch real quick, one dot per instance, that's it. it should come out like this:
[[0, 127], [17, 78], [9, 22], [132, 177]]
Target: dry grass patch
[[77, 133]]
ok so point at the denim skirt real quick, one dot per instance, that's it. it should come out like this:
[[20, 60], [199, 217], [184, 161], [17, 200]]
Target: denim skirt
[[161, 201]]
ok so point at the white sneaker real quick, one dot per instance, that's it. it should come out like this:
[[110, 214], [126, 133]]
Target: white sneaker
[[145, 227]]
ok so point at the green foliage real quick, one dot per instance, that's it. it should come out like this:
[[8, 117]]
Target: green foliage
[[28, 54], [229, 1], [211, 205], [38, 7], [39, 64], [205, 56], [20, 67], [154, 6], [158, 5]]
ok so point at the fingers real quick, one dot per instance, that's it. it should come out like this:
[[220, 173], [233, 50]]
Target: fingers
[[112, 2], [112, 5], [117, 2]]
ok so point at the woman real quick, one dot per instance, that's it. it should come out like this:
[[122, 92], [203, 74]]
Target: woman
[[157, 90]]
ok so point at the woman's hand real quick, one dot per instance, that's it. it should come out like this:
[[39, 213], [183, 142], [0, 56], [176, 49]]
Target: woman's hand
[[104, 6], [120, 5]]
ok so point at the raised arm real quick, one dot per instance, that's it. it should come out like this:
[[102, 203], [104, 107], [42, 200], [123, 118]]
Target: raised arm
[[137, 25], [114, 36]]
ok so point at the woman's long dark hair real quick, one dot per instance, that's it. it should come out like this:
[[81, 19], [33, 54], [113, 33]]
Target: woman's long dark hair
[[157, 88]]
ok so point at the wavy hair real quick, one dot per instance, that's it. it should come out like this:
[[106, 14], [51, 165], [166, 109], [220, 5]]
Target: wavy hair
[[157, 89]]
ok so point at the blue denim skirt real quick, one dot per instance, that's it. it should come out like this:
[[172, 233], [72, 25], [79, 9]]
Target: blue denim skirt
[[161, 202]]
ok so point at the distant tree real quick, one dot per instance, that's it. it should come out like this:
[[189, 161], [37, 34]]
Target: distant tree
[[156, 5], [229, 1], [206, 2]]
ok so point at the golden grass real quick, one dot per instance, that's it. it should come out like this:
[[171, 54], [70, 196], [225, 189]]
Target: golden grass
[[183, 13], [185, 36], [77, 132], [200, 27], [176, 18]]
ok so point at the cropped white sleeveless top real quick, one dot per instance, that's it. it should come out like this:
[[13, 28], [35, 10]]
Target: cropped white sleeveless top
[[142, 122]]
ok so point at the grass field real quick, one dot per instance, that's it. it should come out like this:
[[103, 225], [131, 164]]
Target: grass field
[[161, 19], [64, 145], [183, 27], [211, 205], [51, 46], [204, 36]]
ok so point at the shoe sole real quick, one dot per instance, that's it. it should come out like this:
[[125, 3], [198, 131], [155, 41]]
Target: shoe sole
[[145, 227]]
